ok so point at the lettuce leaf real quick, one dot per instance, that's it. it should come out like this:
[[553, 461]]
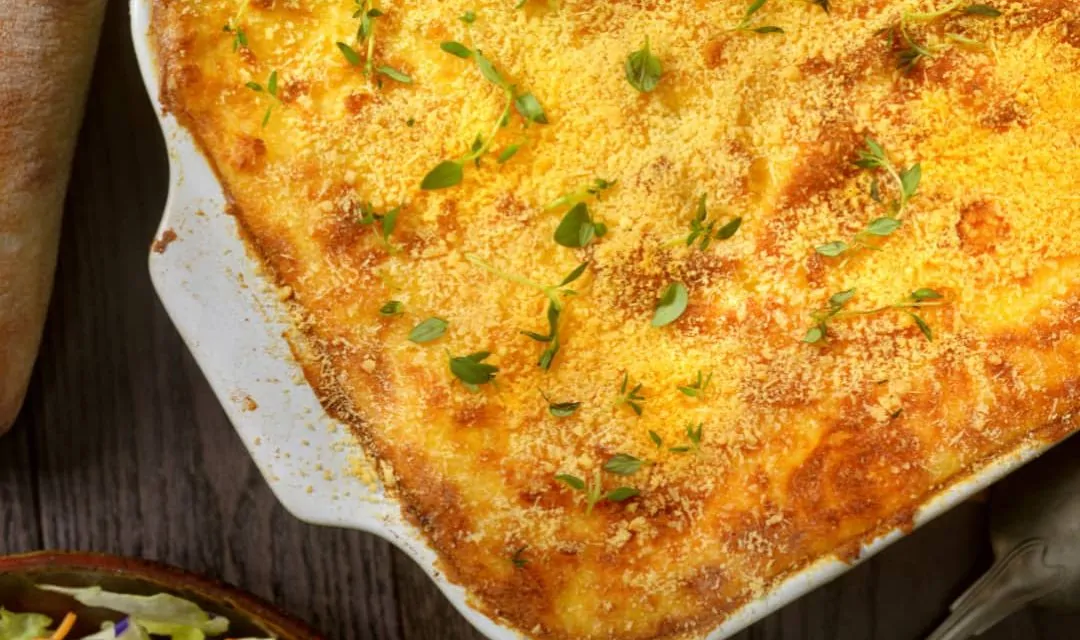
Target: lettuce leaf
[[23, 626], [162, 614]]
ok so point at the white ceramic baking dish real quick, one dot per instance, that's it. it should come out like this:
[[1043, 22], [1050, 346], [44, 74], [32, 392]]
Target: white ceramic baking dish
[[233, 325]]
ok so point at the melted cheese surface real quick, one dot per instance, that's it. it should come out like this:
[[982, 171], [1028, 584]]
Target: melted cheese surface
[[806, 450]]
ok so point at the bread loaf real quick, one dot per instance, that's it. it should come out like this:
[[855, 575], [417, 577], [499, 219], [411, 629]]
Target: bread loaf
[[46, 54]]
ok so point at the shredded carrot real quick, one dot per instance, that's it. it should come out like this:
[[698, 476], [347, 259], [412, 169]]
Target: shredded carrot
[[65, 627]]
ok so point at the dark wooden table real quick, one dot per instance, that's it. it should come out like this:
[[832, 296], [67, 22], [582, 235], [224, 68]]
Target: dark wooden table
[[122, 447]]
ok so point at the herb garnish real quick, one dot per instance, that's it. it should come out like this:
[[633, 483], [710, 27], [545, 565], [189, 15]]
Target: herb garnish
[[577, 228], [594, 492], [554, 294], [593, 189], [468, 17], [693, 434], [655, 437], [233, 26], [874, 158], [908, 57], [392, 308], [919, 299], [824, 4], [697, 389], [748, 15], [517, 559], [561, 409], [365, 39], [383, 223], [449, 173], [270, 89], [631, 398], [672, 304], [472, 370], [624, 464], [428, 330], [643, 69], [704, 229]]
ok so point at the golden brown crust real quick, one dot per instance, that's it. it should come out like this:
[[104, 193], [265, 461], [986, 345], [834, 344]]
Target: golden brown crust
[[807, 450]]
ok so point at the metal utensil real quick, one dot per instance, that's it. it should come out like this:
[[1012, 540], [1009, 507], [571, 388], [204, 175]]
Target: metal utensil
[[1035, 534]]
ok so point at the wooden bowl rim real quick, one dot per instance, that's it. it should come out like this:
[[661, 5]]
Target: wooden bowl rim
[[172, 579]]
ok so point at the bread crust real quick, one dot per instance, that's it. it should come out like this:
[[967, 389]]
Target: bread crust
[[42, 92]]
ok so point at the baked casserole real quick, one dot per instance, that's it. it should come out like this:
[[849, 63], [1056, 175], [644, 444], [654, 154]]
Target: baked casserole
[[644, 305]]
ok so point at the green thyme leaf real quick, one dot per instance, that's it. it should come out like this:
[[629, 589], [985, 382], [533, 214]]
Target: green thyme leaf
[[468, 17], [631, 398], [428, 330], [748, 15], [472, 370], [623, 464], [655, 437], [350, 54], [577, 228], [621, 494], [925, 328], [832, 249], [573, 482], [529, 108], [883, 226], [920, 295], [838, 300], [563, 409], [447, 173], [456, 49], [488, 70], [394, 74], [697, 389], [509, 152], [982, 10], [814, 334], [643, 69], [728, 230], [575, 274], [672, 304], [392, 308], [909, 180]]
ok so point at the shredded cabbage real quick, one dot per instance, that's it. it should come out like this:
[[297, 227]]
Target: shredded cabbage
[[22, 626], [162, 615]]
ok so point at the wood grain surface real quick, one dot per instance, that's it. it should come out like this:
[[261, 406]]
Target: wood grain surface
[[123, 448]]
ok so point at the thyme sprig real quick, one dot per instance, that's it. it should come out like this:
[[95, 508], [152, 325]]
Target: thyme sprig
[[748, 17], [837, 309], [693, 436], [382, 223], [594, 490], [906, 183], [365, 41], [554, 293], [449, 173], [561, 409], [270, 89], [914, 51], [704, 231], [697, 388], [631, 398], [592, 190], [234, 27]]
